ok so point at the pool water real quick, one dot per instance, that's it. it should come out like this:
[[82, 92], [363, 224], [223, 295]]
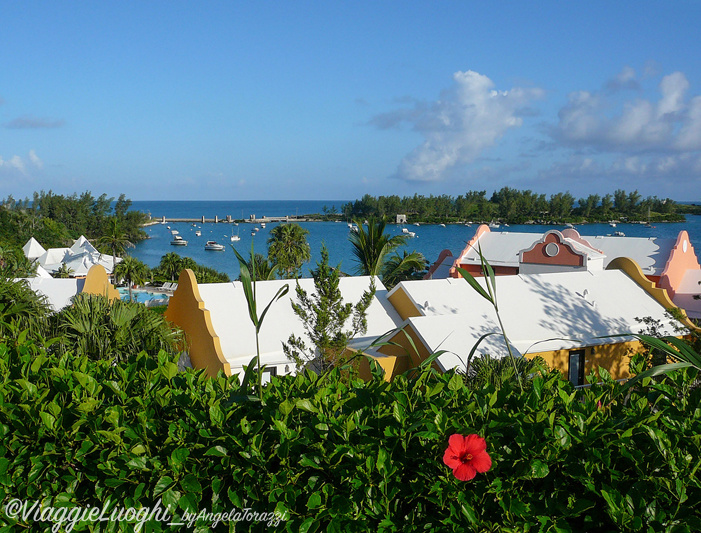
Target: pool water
[[141, 296]]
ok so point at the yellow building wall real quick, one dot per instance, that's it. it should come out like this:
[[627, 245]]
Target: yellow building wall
[[186, 310], [615, 358], [97, 282], [403, 304]]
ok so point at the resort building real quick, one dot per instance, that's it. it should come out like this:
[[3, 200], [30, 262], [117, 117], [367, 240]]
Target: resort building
[[60, 292], [221, 336], [571, 318], [79, 258], [566, 317], [670, 263]]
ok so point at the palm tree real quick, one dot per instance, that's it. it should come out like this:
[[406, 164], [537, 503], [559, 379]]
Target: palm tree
[[409, 265], [115, 240], [63, 272], [171, 265], [372, 246], [263, 270], [21, 308], [288, 248], [132, 270]]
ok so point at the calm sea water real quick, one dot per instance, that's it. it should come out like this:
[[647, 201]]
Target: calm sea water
[[430, 239]]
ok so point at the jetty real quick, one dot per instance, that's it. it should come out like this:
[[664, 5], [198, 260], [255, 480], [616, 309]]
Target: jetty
[[228, 219]]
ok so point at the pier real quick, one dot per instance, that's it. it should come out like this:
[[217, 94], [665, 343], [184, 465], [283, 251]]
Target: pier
[[228, 220]]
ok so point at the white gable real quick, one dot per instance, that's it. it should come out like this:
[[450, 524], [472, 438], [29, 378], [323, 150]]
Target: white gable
[[33, 250]]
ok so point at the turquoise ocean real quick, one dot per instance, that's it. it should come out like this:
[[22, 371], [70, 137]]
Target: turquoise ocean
[[430, 239]]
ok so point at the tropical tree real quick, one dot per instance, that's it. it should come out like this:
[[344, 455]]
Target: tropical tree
[[21, 308], [260, 268], [407, 266], [371, 246], [288, 249], [171, 265], [63, 272], [496, 371], [115, 240], [132, 271]]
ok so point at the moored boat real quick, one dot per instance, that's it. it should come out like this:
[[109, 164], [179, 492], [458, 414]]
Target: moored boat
[[214, 246], [178, 241]]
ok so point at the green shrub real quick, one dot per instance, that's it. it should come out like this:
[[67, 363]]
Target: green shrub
[[335, 456]]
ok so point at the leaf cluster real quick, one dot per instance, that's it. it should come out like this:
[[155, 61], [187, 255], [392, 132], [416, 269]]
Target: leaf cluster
[[332, 455]]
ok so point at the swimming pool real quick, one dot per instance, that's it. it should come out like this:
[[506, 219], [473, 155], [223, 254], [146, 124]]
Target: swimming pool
[[144, 297]]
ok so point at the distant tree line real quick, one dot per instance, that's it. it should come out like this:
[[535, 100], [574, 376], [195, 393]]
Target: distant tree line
[[56, 220], [517, 207]]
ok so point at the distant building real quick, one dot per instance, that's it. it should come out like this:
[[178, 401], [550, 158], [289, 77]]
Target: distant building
[[401, 219], [79, 258]]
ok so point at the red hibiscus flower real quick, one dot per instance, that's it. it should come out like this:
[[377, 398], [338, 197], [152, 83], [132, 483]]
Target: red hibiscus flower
[[467, 456]]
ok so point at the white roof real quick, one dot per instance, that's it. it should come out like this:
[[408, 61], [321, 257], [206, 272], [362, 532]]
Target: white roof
[[53, 257], [57, 291], [82, 245], [567, 310], [33, 250], [229, 313], [651, 253]]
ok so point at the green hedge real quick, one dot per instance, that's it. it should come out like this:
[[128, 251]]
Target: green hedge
[[333, 456]]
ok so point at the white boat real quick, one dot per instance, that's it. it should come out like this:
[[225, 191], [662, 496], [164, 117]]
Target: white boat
[[411, 234], [619, 234], [174, 232], [178, 241], [253, 234], [214, 246], [404, 230], [354, 228], [416, 224], [262, 225], [235, 238], [442, 225], [198, 233], [612, 224]]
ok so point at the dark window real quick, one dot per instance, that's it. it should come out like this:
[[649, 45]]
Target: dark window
[[576, 368]]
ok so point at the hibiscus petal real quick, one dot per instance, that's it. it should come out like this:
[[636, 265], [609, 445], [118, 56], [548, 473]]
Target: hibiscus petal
[[450, 459], [457, 443], [474, 444], [465, 472], [481, 462]]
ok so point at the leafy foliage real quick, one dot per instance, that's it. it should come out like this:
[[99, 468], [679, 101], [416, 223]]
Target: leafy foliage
[[346, 456], [21, 308], [99, 329], [288, 249], [371, 246], [172, 264]]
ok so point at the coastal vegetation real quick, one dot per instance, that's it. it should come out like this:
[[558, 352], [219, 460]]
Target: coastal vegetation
[[288, 249], [172, 264], [329, 454], [518, 207], [372, 247]]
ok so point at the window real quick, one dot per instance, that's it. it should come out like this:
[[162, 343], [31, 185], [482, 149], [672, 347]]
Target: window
[[576, 367], [267, 373]]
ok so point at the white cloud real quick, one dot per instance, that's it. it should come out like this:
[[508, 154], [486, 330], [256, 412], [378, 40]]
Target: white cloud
[[34, 159], [668, 124], [17, 165], [469, 118]]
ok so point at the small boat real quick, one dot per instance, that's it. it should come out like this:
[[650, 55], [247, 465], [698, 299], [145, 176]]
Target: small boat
[[256, 229], [262, 225], [354, 228], [174, 232], [506, 225], [235, 238], [416, 224], [198, 233], [411, 234], [568, 225], [442, 225], [253, 234], [214, 246], [404, 230], [178, 241], [619, 234], [612, 224]]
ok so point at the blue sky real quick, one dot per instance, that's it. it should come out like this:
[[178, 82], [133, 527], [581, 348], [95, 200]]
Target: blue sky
[[331, 100]]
